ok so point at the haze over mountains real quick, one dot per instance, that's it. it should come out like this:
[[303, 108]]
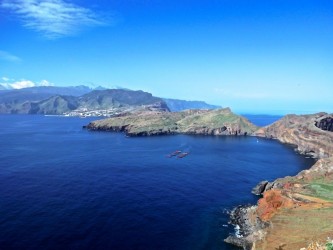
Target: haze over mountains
[[179, 105], [60, 100]]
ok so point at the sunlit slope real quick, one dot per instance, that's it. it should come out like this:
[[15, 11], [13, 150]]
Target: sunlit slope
[[206, 122]]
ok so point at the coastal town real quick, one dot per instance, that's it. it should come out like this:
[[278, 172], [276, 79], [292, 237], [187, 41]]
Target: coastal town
[[84, 112]]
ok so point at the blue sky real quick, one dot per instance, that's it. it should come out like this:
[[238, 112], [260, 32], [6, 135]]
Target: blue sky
[[255, 56]]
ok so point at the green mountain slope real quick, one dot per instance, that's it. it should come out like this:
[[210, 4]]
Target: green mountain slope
[[56, 105]]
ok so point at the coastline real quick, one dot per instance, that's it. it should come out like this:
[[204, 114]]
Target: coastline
[[300, 197], [295, 210]]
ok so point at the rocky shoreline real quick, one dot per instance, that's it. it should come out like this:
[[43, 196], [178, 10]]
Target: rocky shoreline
[[293, 211], [248, 227]]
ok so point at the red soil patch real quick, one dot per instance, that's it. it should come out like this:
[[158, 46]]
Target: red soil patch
[[271, 202]]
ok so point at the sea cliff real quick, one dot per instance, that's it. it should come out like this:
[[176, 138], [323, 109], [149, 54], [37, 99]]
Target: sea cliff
[[293, 211]]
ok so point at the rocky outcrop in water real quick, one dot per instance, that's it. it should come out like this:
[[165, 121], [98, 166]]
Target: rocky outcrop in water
[[195, 122], [294, 210], [260, 188], [249, 227]]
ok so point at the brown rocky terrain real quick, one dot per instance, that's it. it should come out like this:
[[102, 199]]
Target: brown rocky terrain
[[307, 132], [294, 211]]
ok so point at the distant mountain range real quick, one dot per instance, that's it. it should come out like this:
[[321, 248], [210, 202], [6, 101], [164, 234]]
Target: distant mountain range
[[41, 93], [60, 100], [180, 105]]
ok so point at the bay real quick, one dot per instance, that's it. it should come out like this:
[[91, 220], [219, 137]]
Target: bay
[[63, 187]]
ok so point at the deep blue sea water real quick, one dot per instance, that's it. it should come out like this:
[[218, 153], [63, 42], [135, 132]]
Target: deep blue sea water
[[262, 120], [63, 187]]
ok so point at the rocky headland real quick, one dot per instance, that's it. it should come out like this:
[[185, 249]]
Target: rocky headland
[[195, 122], [293, 211]]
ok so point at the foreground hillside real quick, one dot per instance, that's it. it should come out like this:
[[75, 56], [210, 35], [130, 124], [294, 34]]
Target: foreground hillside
[[205, 122], [294, 211]]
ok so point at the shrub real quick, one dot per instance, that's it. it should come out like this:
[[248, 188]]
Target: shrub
[[329, 245]]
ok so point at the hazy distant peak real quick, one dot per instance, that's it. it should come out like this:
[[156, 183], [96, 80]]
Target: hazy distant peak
[[100, 88], [179, 105], [2, 87]]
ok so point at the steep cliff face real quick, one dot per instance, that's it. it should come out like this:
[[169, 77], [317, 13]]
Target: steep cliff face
[[201, 122], [309, 133], [325, 123], [295, 210], [55, 105]]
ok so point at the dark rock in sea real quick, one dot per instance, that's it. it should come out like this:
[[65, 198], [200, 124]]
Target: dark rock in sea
[[239, 242], [260, 188], [248, 227]]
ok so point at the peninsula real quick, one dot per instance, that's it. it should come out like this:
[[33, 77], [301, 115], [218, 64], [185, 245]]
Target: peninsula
[[199, 122]]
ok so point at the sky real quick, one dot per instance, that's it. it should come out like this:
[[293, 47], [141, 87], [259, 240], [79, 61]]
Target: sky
[[254, 56]]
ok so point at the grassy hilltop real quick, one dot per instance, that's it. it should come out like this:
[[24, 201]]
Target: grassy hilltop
[[205, 122]]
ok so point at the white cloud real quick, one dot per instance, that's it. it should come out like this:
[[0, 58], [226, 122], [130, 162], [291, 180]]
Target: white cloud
[[45, 83], [20, 84], [6, 56], [52, 18]]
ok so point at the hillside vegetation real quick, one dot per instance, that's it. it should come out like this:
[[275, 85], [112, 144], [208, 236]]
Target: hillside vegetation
[[205, 122]]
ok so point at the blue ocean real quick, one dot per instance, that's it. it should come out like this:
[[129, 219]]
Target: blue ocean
[[63, 187]]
